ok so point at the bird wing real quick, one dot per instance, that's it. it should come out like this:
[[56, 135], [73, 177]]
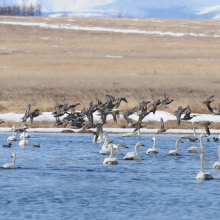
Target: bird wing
[[129, 121], [209, 108], [56, 104], [98, 100], [154, 108], [28, 108], [90, 105], [131, 110], [110, 98], [73, 110], [65, 102], [178, 119], [114, 118], [207, 130], [90, 119], [166, 97], [210, 97], [162, 124], [31, 119], [188, 112]]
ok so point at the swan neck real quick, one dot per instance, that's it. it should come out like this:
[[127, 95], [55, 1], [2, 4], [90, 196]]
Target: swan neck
[[106, 138], [154, 144], [177, 145], [118, 149], [14, 159], [100, 134], [201, 144], [139, 133], [13, 132], [202, 170], [136, 149], [94, 142], [111, 154]]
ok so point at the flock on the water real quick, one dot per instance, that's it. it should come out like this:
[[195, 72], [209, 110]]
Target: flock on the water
[[77, 120]]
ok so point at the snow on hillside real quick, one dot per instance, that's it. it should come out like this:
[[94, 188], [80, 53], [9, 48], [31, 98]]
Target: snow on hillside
[[127, 8]]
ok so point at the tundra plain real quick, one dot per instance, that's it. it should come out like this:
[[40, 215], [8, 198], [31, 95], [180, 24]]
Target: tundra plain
[[40, 64]]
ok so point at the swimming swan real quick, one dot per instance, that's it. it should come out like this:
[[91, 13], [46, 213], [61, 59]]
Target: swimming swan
[[217, 164], [201, 175], [198, 149], [23, 126], [110, 160], [176, 152], [11, 165], [192, 137], [26, 135], [134, 155], [24, 142], [12, 138], [100, 139], [107, 150], [153, 150], [132, 134]]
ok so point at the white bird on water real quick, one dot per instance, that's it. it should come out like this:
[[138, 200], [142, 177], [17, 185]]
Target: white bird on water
[[26, 134], [24, 142], [101, 139], [201, 175], [107, 150], [110, 160], [217, 164], [12, 138], [153, 150], [176, 152], [132, 134], [134, 155], [191, 137], [198, 149], [11, 165]]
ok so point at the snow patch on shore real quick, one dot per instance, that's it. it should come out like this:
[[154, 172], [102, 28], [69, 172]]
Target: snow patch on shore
[[124, 31]]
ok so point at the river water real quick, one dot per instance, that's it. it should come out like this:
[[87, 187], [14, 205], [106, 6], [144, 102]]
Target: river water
[[65, 179]]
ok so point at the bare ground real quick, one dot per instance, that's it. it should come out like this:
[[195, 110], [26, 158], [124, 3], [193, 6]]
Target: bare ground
[[40, 65]]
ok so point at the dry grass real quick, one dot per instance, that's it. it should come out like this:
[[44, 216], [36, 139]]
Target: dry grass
[[33, 70]]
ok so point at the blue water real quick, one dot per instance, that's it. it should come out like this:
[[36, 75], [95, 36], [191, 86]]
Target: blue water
[[65, 179]]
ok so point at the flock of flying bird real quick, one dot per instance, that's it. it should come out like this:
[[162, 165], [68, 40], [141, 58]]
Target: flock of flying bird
[[76, 119], [110, 107]]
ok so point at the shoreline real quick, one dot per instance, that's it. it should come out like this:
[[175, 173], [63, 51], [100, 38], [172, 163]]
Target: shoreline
[[112, 131]]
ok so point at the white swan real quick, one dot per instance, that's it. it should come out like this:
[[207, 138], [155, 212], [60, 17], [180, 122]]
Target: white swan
[[197, 149], [217, 164], [176, 152], [11, 165], [192, 137], [101, 139], [153, 150], [134, 155], [132, 134], [201, 175], [12, 138], [107, 150], [24, 142], [110, 160], [26, 134]]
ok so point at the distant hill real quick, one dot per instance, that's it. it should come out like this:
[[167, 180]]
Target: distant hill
[[188, 9]]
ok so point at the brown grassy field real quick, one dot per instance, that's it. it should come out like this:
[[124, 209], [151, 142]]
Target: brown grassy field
[[39, 65]]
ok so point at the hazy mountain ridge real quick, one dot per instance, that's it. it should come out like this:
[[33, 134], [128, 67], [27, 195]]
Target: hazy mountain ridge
[[128, 8]]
